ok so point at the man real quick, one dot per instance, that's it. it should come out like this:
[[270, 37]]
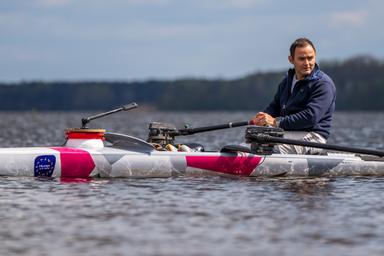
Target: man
[[304, 102]]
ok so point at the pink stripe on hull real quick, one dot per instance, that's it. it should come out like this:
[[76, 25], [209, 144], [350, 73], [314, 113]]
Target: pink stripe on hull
[[237, 165], [75, 163]]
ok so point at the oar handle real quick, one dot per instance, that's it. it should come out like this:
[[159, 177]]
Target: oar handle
[[189, 131], [266, 138]]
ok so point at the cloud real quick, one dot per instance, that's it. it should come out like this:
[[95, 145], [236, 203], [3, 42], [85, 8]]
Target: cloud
[[176, 37], [244, 3], [52, 3], [349, 18], [9, 21]]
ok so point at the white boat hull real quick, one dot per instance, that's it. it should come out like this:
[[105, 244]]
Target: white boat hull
[[114, 162]]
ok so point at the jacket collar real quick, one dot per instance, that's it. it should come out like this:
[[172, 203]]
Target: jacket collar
[[315, 74]]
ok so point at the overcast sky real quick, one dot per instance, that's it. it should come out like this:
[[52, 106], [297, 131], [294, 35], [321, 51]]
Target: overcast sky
[[168, 39]]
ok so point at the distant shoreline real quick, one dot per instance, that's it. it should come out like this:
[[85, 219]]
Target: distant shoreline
[[359, 82]]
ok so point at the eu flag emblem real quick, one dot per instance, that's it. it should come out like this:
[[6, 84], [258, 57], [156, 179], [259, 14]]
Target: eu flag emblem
[[44, 165]]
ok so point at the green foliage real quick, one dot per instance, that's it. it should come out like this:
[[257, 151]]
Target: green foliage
[[359, 82]]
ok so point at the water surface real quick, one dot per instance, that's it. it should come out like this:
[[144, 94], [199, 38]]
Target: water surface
[[188, 215]]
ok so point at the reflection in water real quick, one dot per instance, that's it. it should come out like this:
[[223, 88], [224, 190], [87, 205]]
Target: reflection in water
[[308, 186], [75, 180], [299, 185]]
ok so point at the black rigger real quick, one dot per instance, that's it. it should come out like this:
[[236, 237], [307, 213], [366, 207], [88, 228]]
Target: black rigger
[[190, 131], [262, 138]]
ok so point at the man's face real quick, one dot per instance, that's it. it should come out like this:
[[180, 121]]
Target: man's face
[[303, 60]]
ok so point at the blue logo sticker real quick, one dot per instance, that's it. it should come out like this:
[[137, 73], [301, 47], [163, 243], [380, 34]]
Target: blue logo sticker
[[44, 165]]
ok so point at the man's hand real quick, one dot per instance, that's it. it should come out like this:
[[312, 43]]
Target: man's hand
[[263, 119]]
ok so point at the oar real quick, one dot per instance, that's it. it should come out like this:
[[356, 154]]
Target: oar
[[262, 138], [189, 131]]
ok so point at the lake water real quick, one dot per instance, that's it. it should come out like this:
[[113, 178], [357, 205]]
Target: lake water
[[189, 215]]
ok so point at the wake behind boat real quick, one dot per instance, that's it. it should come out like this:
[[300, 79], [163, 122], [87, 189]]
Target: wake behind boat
[[97, 153]]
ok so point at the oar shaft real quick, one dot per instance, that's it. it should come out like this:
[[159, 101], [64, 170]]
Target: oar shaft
[[190, 131], [266, 138]]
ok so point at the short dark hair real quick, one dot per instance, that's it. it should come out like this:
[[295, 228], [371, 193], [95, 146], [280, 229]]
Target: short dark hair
[[300, 42]]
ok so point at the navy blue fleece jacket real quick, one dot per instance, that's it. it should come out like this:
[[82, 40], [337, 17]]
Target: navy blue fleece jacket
[[309, 107]]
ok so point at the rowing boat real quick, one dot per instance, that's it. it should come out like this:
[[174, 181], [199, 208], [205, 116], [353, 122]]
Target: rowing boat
[[96, 153]]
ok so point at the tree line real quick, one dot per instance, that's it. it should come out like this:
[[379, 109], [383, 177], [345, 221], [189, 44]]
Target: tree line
[[359, 82]]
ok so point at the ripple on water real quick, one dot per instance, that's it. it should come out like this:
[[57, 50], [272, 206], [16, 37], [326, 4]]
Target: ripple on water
[[187, 215]]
